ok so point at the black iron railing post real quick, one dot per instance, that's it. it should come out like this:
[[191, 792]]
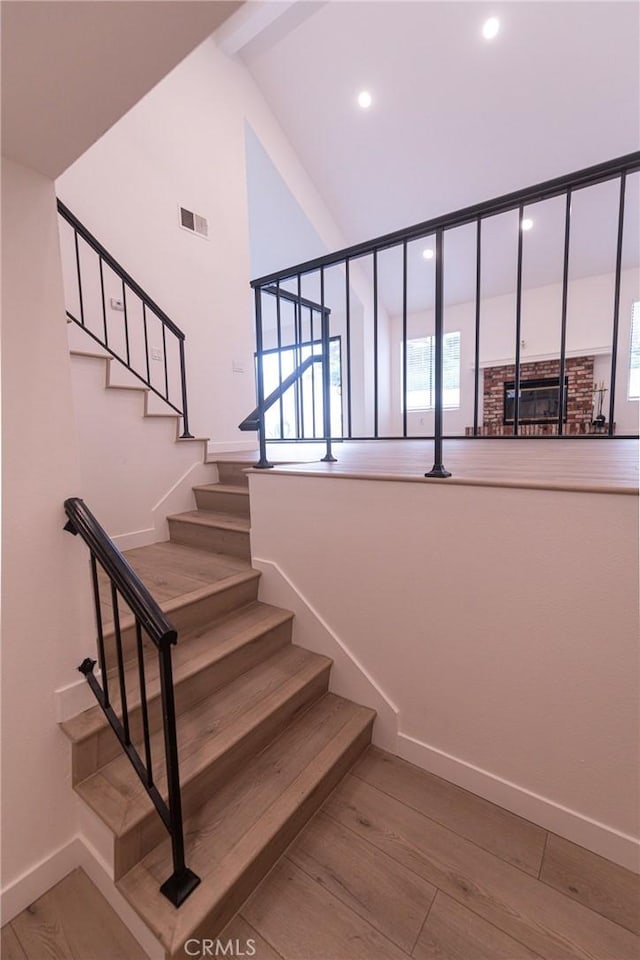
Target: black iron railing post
[[326, 373], [263, 463], [438, 469], [616, 307], [563, 313], [183, 880], [185, 435]]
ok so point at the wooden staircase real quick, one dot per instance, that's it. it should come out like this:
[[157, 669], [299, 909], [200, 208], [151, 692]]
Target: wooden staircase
[[261, 740]]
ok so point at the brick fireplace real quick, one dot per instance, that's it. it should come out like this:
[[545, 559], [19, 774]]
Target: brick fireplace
[[579, 376]]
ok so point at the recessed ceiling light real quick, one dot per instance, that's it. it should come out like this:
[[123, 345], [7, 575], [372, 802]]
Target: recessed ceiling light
[[427, 254], [526, 224], [365, 99], [490, 28]]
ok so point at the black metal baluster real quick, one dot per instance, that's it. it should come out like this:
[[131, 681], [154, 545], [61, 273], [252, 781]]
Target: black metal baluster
[[166, 362], [120, 658], [438, 469], [185, 435], [616, 306], [563, 315], [183, 881], [263, 463], [143, 704], [279, 336], [404, 339], [348, 323], [516, 399], [126, 323], [80, 297], [101, 653], [313, 375], [146, 341], [326, 372], [300, 383], [375, 343], [104, 305], [476, 378]]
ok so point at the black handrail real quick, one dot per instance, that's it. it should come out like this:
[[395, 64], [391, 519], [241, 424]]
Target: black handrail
[[149, 618], [567, 187], [252, 421], [147, 304], [297, 299], [587, 177]]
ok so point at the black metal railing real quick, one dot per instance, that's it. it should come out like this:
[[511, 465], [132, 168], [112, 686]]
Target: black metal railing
[[354, 276], [137, 307], [149, 621]]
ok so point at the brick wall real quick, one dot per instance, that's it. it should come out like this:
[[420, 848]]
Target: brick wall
[[579, 371]]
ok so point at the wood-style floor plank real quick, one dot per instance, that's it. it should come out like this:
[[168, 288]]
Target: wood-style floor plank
[[380, 890], [244, 937], [597, 465], [10, 948], [303, 921], [497, 830], [531, 912], [456, 933], [597, 883], [73, 921]]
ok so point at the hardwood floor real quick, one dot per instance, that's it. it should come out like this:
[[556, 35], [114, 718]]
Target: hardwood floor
[[595, 465], [72, 921], [397, 864]]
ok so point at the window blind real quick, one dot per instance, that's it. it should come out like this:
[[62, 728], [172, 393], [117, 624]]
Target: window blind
[[421, 372], [634, 353]]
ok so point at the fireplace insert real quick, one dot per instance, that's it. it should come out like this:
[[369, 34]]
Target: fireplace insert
[[539, 400]]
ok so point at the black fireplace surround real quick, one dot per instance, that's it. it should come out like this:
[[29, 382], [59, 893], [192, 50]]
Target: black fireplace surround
[[539, 400]]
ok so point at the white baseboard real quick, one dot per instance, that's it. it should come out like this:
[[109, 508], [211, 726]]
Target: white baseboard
[[99, 874], [349, 678], [74, 698], [137, 538], [77, 853], [21, 893], [570, 824], [231, 446]]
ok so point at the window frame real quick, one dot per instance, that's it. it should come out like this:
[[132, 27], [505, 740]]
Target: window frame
[[430, 340]]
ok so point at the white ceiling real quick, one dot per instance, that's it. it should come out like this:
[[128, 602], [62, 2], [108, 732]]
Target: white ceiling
[[71, 69], [457, 120]]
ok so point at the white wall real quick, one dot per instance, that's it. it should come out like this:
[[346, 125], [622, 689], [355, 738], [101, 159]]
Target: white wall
[[47, 622], [513, 661], [184, 143], [589, 332]]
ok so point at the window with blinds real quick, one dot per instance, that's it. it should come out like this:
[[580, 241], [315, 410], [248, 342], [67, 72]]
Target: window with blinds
[[420, 372], [634, 353]]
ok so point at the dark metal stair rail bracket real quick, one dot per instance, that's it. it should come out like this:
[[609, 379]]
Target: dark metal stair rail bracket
[[150, 619], [567, 185], [147, 304]]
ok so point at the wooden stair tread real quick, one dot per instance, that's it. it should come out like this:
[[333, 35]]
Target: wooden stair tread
[[226, 837], [195, 650], [205, 733], [209, 518], [232, 488]]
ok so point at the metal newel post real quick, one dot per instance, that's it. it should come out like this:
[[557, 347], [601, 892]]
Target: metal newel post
[[326, 373], [185, 435], [263, 463], [438, 469]]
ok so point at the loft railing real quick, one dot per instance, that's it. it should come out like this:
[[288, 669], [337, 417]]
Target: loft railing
[[137, 308], [359, 266], [149, 621]]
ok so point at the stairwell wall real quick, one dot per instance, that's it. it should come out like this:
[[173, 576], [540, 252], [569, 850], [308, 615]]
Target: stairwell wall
[[46, 617]]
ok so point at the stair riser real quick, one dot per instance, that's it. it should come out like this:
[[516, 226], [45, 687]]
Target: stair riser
[[140, 840], [191, 615], [236, 504], [238, 889], [94, 752], [204, 537], [235, 473]]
